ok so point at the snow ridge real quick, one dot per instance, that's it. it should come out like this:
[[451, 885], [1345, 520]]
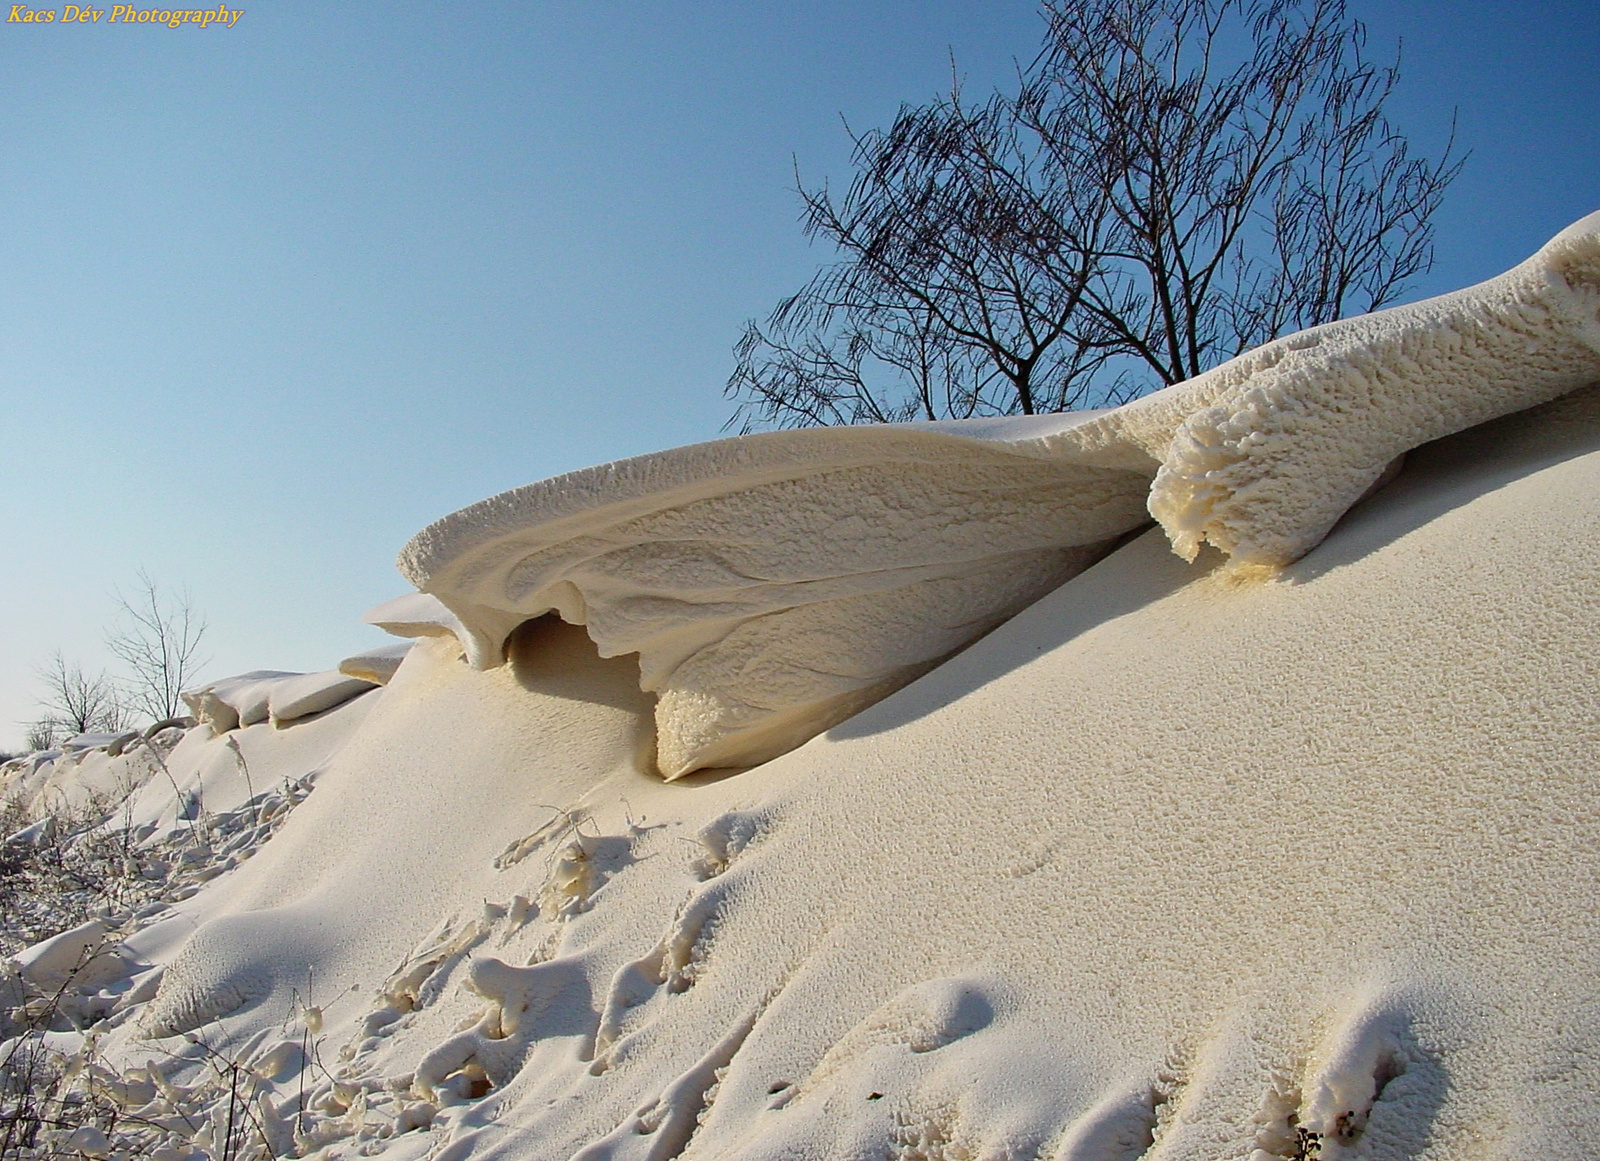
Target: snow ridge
[[1266, 467], [775, 584]]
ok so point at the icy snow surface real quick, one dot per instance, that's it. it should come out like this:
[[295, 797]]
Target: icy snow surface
[[1183, 861], [773, 585]]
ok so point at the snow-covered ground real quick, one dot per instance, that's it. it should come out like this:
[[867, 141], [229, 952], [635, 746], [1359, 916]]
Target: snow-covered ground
[[1281, 845]]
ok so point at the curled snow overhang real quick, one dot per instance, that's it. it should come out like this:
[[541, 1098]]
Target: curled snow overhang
[[774, 584], [1260, 456], [416, 615]]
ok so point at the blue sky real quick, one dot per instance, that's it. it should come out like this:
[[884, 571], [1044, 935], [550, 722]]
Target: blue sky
[[274, 297]]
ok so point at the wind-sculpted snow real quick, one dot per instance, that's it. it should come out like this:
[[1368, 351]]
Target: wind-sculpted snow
[[377, 665], [265, 694], [415, 615], [1168, 867], [1262, 455], [773, 585]]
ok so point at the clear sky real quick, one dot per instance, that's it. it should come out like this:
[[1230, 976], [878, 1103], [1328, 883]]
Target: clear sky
[[274, 296]]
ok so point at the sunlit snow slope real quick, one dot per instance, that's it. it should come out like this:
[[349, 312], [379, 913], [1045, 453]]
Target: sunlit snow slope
[[1182, 860]]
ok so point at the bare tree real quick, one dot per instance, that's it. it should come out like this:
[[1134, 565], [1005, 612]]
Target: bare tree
[[158, 637], [1173, 181], [1252, 198], [966, 258], [75, 702]]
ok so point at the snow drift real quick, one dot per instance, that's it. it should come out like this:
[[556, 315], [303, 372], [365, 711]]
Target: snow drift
[[1176, 863], [272, 695], [773, 585]]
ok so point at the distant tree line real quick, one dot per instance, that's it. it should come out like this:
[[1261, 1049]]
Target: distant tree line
[[157, 636], [1170, 182]]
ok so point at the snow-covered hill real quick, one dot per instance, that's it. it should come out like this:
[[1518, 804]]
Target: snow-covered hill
[[1286, 853]]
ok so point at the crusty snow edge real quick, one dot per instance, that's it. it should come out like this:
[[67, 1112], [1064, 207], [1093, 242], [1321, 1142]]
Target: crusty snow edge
[[774, 584], [1266, 452]]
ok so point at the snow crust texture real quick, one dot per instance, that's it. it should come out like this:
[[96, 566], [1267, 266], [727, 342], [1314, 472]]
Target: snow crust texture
[[1275, 446], [773, 585]]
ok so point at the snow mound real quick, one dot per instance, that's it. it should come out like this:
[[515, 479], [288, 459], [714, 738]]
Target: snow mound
[[310, 693], [773, 585], [1167, 866], [97, 740], [234, 701], [270, 694]]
